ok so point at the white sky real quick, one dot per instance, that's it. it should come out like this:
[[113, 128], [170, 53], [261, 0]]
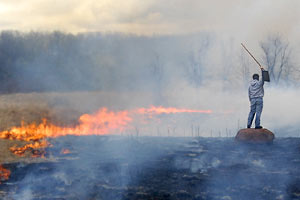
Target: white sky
[[240, 19]]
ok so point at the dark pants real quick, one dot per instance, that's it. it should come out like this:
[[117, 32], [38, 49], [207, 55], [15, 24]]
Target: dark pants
[[255, 108]]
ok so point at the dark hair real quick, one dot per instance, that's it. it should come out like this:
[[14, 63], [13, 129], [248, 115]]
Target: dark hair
[[255, 76]]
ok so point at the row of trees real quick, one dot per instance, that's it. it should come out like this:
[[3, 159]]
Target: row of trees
[[277, 57], [57, 61]]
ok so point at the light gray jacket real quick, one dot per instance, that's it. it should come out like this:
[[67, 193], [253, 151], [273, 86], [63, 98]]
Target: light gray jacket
[[256, 89]]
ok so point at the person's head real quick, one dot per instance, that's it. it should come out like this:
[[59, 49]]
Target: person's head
[[255, 77]]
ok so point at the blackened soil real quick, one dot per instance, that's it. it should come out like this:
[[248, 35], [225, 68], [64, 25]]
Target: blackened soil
[[97, 167]]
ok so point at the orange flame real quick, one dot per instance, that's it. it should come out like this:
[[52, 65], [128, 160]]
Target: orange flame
[[36, 148], [65, 151], [4, 174], [101, 123], [170, 110]]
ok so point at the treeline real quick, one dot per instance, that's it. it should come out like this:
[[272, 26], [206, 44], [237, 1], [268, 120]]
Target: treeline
[[56, 61], [49, 62]]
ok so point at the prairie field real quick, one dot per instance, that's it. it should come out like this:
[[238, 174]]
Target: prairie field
[[61, 108]]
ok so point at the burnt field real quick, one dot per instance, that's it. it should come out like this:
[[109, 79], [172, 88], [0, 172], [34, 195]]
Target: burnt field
[[115, 167]]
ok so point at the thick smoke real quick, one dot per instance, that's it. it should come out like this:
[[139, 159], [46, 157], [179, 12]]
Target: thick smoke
[[198, 71], [143, 167], [196, 63]]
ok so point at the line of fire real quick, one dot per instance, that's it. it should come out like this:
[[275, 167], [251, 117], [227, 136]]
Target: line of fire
[[103, 122]]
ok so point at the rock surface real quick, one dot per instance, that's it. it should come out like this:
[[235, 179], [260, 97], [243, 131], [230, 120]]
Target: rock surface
[[255, 135]]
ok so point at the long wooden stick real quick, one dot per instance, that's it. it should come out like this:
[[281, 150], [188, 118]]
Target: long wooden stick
[[251, 55]]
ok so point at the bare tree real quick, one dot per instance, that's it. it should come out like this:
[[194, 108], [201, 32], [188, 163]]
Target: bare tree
[[277, 55], [245, 71], [228, 60], [157, 73], [157, 69], [195, 66]]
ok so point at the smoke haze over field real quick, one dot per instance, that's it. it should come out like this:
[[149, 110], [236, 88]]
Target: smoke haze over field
[[64, 61], [183, 54], [197, 71]]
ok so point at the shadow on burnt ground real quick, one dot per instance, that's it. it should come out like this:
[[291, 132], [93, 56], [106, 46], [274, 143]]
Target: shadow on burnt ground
[[158, 168]]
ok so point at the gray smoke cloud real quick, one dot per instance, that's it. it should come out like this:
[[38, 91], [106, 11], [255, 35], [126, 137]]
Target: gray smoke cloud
[[197, 71], [190, 58]]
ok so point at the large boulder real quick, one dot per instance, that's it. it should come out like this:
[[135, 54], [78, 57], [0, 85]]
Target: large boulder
[[255, 135]]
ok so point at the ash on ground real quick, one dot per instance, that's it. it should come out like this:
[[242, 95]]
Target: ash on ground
[[113, 167]]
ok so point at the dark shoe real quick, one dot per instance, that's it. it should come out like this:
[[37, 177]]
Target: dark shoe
[[248, 126], [258, 127]]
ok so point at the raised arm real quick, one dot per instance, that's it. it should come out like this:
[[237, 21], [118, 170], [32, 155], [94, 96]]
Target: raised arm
[[262, 76]]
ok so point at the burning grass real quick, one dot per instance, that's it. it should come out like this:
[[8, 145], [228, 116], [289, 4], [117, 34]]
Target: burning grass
[[7, 156], [101, 122], [4, 174], [30, 119], [45, 118]]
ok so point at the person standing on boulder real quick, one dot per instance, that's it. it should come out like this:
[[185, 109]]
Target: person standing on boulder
[[256, 94]]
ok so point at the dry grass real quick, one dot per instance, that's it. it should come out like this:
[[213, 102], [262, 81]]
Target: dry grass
[[6, 156], [61, 108], [31, 108]]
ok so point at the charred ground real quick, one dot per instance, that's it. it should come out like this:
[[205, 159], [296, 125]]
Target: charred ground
[[113, 167]]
